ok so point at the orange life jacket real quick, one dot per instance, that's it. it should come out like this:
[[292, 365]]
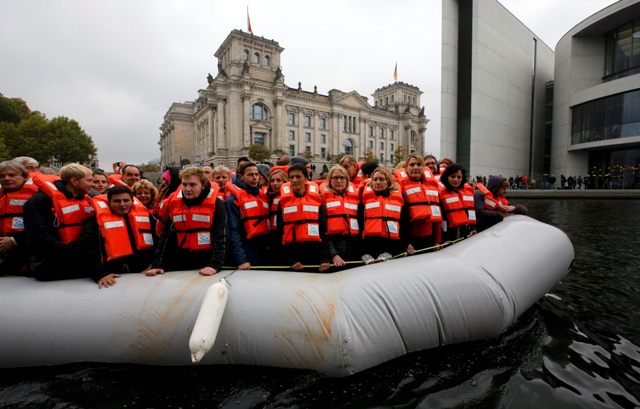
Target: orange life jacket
[[12, 207], [382, 214], [284, 168], [301, 215], [491, 202], [459, 207], [254, 212], [193, 224], [114, 232], [422, 197], [116, 180], [161, 210], [342, 212], [69, 213], [273, 207], [232, 189]]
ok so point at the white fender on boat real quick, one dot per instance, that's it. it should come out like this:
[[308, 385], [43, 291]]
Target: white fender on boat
[[338, 324], [207, 324]]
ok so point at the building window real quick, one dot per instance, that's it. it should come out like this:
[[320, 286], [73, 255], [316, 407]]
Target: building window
[[381, 146], [386, 100], [259, 112], [391, 98], [292, 150], [292, 118], [292, 135], [393, 135], [413, 136], [307, 121], [381, 157], [622, 51], [348, 146], [371, 131], [307, 136], [256, 58], [258, 138], [616, 116], [391, 158], [245, 55], [382, 133], [323, 138], [323, 123], [267, 60], [323, 152], [392, 147], [370, 144], [307, 150]]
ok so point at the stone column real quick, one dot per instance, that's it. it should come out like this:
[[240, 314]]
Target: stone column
[[222, 137], [210, 145], [246, 131]]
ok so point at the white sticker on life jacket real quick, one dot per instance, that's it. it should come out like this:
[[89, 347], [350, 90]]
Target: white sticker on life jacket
[[310, 208], [413, 190], [472, 215], [290, 209], [204, 238], [51, 185], [142, 219], [313, 188], [148, 238], [489, 203], [467, 198], [351, 206], [101, 204], [332, 204], [265, 205], [205, 218], [392, 226], [29, 181], [351, 189], [88, 209], [452, 199], [16, 202], [372, 205], [276, 201], [430, 192], [435, 211], [251, 205], [70, 209], [403, 174], [286, 189], [178, 218], [209, 194], [313, 230], [353, 223], [17, 223], [392, 208], [444, 226], [114, 224]]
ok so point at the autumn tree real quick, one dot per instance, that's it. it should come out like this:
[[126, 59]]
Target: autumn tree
[[259, 153]]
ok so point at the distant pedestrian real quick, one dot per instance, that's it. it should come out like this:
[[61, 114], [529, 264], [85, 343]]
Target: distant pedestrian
[[580, 182]]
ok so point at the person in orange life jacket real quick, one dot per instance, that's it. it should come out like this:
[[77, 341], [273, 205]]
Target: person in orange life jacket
[[457, 204], [170, 184], [28, 162], [16, 189], [264, 172], [222, 178], [340, 230], [99, 184], [300, 214], [242, 159], [119, 239], [431, 162], [379, 215], [125, 174], [353, 168], [248, 215], [145, 192], [491, 204], [421, 216], [271, 193], [194, 230], [53, 221]]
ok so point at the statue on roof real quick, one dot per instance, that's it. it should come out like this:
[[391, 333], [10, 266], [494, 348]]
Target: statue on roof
[[221, 70], [209, 79]]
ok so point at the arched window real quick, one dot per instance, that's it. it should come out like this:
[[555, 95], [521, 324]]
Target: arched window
[[348, 146], [256, 58], [245, 55], [259, 112], [413, 136], [267, 60]]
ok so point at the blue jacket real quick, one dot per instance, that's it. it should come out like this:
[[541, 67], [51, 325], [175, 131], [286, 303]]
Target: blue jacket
[[243, 250]]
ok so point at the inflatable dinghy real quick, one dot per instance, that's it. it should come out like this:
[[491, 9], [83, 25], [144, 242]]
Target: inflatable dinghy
[[338, 324]]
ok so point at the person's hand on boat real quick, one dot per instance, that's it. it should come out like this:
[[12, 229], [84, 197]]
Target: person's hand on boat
[[245, 266], [297, 266], [6, 244], [108, 280], [208, 271], [338, 261], [150, 272], [410, 250], [324, 267]]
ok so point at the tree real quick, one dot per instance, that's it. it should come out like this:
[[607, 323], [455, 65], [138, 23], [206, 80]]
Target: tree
[[149, 167], [259, 153], [370, 156], [30, 138], [69, 142], [13, 110], [338, 157], [307, 154], [399, 154]]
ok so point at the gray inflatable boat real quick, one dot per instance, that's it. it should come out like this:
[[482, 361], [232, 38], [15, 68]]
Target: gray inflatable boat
[[338, 324]]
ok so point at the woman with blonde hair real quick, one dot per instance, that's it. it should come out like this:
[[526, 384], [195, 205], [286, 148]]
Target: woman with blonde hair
[[145, 192], [379, 215], [340, 227]]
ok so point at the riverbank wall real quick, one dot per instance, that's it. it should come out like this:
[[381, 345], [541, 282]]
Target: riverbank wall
[[574, 194]]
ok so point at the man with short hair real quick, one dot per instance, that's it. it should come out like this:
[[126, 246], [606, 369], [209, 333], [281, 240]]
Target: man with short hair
[[208, 171], [125, 174], [119, 239], [53, 222]]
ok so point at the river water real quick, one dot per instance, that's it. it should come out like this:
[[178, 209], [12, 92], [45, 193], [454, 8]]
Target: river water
[[578, 347]]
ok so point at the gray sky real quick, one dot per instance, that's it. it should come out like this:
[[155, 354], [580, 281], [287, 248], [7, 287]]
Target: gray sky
[[116, 66]]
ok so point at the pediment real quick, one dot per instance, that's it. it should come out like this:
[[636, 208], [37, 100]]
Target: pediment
[[351, 99]]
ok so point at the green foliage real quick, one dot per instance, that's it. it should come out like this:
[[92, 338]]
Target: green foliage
[[370, 156], [307, 154], [399, 154], [149, 167], [259, 153], [26, 133]]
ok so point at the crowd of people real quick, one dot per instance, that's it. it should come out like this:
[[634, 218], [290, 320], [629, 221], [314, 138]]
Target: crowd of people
[[84, 223]]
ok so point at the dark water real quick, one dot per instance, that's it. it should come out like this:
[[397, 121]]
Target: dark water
[[578, 347]]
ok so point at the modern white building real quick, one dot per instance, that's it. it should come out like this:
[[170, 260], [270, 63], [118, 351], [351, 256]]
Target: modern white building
[[494, 76], [596, 105], [248, 103]]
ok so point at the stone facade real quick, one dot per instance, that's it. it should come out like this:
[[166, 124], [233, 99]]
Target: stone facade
[[249, 103]]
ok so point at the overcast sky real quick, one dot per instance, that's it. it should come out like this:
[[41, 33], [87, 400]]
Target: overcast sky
[[117, 65]]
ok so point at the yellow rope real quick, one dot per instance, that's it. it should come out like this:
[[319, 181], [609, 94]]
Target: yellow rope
[[403, 254]]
